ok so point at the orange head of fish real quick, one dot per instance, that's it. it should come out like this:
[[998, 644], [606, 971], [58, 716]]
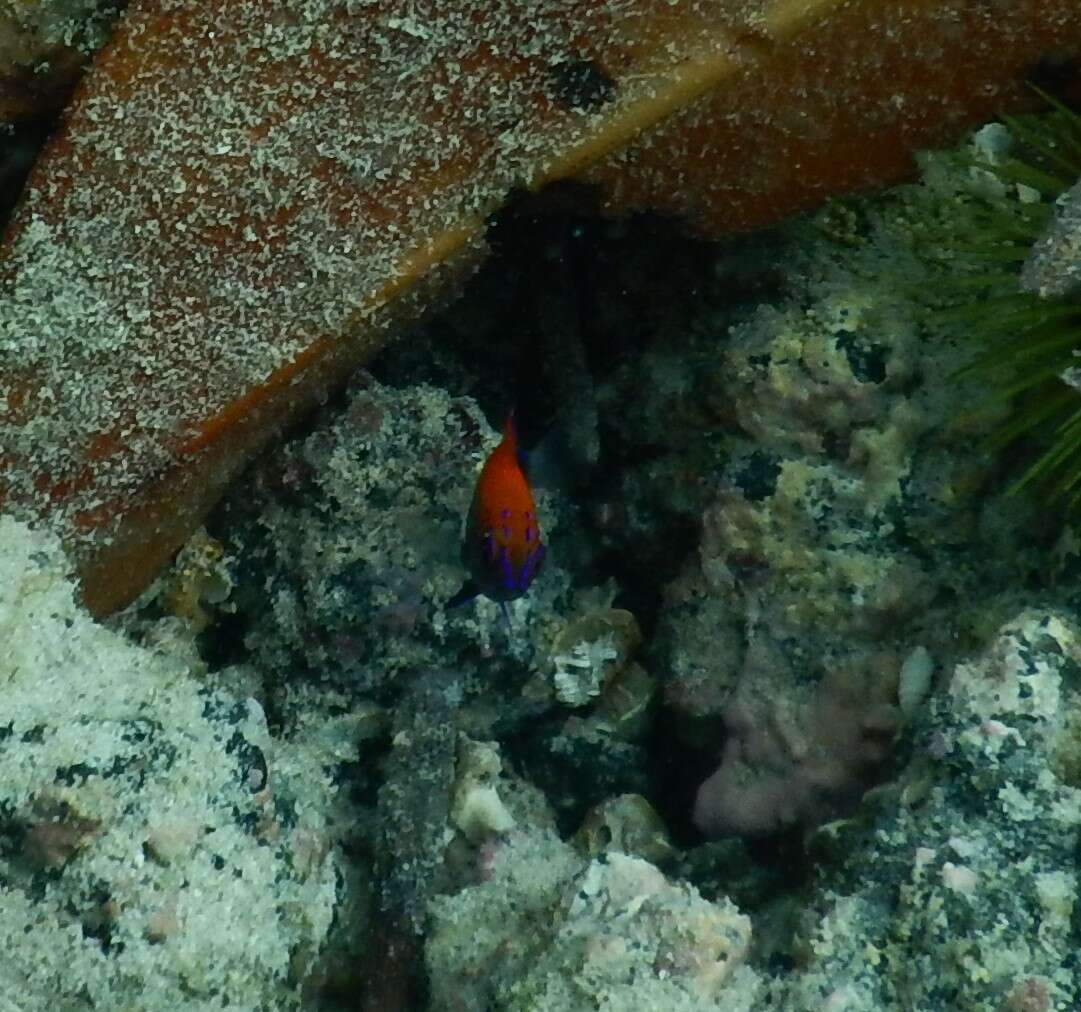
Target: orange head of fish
[[502, 548]]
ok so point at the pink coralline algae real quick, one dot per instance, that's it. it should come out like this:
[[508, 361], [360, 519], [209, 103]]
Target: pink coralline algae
[[776, 773]]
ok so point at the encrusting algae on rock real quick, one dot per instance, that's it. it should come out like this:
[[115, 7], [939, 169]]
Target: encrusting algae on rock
[[959, 889], [311, 172], [143, 806]]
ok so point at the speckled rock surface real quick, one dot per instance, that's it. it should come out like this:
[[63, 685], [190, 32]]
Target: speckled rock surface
[[1053, 268], [347, 547], [81, 24], [962, 892], [142, 806], [851, 519], [549, 930], [844, 598], [355, 532]]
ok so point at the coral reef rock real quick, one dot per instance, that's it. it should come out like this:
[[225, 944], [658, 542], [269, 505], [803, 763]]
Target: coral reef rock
[[349, 541], [156, 849], [964, 894], [315, 171], [850, 523], [1053, 268], [548, 930]]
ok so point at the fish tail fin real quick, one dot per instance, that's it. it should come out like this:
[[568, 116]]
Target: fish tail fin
[[465, 593]]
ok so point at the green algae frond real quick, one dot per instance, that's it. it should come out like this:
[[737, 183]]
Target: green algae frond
[[1027, 342]]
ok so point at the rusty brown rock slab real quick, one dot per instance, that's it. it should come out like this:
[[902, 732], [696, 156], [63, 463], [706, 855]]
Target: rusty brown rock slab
[[839, 99]]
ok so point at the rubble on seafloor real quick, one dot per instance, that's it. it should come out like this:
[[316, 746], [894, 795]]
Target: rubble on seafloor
[[292, 726], [854, 535], [142, 804]]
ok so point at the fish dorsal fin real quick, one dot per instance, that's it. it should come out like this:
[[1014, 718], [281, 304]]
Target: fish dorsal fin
[[511, 444], [510, 432]]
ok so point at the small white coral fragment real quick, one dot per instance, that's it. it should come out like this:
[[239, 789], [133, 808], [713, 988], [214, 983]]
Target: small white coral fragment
[[590, 651], [915, 681], [579, 672], [476, 809], [481, 813], [959, 878]]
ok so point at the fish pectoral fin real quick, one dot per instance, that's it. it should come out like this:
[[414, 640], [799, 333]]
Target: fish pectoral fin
[[465, 593]]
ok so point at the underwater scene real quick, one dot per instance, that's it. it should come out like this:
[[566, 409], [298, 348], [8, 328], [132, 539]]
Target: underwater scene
[[540, 506]]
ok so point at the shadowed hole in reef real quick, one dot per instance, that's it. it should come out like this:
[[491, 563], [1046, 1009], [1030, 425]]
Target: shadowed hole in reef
[[675, 770], [19, 148], [565, 302]]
